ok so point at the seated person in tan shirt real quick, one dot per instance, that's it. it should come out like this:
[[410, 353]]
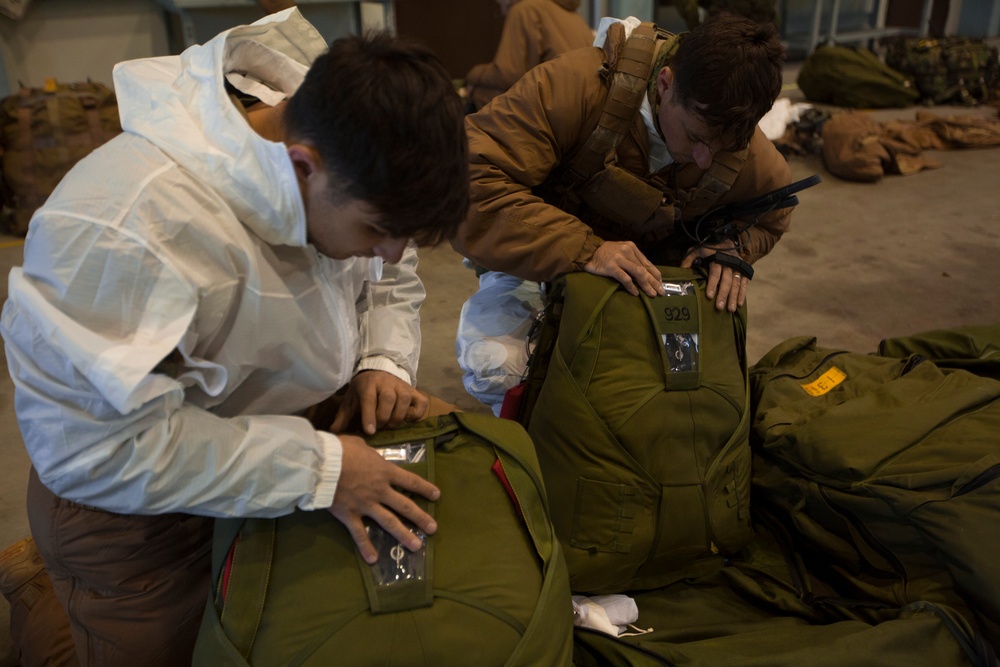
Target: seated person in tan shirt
[[534, 31]]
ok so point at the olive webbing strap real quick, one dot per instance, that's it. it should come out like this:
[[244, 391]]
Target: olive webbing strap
[[418, 591], [628, 85], [716, 181], [678, 314], [247, 586], [516, 452], [539, 633]]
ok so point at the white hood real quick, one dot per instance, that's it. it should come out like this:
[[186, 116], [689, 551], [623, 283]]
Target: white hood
[[180, 104]]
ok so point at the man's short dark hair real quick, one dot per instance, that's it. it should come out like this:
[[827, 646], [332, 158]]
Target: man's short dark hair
[[387, 122], [728, 72]]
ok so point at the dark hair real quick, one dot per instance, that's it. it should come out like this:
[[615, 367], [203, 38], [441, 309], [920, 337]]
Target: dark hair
[[387, 122], [728, 72]]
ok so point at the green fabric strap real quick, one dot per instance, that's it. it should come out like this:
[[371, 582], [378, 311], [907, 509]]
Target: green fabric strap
[[516, 453], [412, 593], [250, 570], [520, 464], [628, 85], [676, 314]]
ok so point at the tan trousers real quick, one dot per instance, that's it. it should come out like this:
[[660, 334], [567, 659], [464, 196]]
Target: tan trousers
[[133, 587]]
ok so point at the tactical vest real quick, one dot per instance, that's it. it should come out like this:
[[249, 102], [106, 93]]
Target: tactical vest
[[616, 203]]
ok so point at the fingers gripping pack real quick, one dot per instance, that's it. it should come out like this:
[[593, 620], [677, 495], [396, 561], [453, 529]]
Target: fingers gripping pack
[[638, 409], [488, 588]]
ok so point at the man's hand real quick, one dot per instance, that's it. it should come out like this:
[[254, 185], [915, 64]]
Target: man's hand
[[367, 488], [728, 283], [382, 399], [623, 262]]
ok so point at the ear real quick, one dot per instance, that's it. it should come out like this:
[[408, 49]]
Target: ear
[[305, 159], [664, 79]]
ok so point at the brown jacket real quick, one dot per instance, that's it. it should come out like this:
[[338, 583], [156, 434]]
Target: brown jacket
[[534, 32], [517, 143]]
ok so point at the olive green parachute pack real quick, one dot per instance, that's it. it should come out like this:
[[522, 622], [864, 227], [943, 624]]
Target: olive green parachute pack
[[638, 409], [854, 78], [885, 468], [488, 588], [875, 510], [766, 608]]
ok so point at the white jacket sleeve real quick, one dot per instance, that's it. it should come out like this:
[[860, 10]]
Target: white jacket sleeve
[[105, 425], [166, 455], [390, 318]]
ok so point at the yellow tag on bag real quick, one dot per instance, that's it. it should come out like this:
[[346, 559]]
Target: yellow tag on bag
[[825, 382]]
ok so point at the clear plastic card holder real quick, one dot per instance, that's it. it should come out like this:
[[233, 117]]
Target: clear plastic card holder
[[396, 563], [685, 288], [407, 452], [681, 348]]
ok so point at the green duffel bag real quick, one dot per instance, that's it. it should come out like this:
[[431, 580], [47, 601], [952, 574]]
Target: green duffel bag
[[887, 469], [975, 348], [488, 588], [854, 78], [638, 409]]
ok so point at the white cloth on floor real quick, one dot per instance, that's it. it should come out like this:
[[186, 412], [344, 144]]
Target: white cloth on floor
[[782, 113], [610, 614]]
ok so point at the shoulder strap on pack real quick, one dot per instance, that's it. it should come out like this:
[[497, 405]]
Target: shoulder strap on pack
[[714, 183], [630, 74]]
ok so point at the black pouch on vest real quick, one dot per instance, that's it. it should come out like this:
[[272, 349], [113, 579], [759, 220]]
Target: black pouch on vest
[[621, 197]]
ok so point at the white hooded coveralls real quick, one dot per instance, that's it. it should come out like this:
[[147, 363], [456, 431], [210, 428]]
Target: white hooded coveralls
[[187, 233]]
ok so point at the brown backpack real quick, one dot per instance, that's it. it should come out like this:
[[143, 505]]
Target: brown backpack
[[43, 133]]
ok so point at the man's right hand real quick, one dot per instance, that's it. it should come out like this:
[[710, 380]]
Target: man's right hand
[[622, 261], [367, 487]]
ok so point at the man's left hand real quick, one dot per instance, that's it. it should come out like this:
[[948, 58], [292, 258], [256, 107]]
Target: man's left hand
[[381, 399], [725, 285]]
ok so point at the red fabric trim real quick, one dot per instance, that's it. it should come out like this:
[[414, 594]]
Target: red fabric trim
[[497, 469], [512, 402], [227, 569]]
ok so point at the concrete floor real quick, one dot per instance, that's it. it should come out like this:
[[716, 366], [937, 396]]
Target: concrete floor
[[862, 262]]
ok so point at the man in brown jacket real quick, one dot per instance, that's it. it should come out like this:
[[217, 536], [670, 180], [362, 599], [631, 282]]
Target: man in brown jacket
[[534, 31], [698, 119], [693, 145]]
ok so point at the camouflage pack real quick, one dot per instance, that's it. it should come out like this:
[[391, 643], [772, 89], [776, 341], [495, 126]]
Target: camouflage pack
[[949, 70]]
